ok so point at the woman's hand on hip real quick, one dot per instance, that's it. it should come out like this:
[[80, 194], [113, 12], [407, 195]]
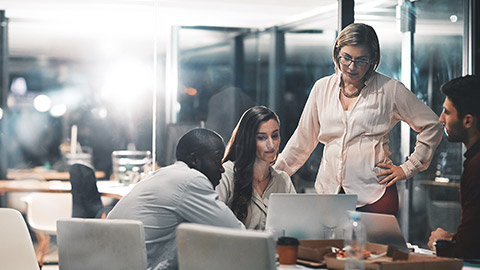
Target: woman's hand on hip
[[391, 173]]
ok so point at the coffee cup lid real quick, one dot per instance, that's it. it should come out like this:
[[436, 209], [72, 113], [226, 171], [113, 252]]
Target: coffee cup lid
[[287, 241]]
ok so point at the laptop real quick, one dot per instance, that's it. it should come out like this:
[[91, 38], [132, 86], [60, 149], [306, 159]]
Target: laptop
[[383, 229], [309, 216]]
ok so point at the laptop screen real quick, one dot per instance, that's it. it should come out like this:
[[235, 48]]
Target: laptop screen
[[383, 229], [309, 216]]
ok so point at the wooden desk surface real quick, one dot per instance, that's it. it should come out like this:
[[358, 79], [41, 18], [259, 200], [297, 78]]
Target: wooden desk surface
[[47, 175], [106, 188]]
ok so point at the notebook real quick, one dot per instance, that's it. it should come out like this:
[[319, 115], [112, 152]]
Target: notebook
[[383, 229], [309, 216]]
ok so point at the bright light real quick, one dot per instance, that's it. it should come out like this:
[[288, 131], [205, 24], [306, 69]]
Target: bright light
[[58, 110], [100, 113], [11, 101], [19, 86], [1, 113], [178, 107], [125, 80], [453, 18], [42, 103], [191, 91]]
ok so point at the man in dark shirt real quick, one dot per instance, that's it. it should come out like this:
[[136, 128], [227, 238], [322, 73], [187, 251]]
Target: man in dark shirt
[[461, 116]]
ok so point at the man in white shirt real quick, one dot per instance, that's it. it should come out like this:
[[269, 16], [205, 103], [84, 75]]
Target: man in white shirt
[[182, 192]]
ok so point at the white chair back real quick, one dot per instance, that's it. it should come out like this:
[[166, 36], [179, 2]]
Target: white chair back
[[16, 200], [203, 247], [107, 244], [16, 247], [44, 209]]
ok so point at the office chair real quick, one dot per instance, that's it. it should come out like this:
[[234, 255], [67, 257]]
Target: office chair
[[107, 244], [16, 200], [204, 247], [16, 247], [87, 201]]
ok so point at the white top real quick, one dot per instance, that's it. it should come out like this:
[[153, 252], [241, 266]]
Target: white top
[[257, 210], [173, 195], [354, 146]]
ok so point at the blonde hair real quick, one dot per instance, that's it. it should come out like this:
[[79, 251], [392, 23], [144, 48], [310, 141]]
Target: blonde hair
[[358, 34]]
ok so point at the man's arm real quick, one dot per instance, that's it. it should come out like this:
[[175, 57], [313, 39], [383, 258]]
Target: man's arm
[[200, 204]]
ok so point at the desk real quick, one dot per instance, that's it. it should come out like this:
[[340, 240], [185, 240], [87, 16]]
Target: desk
[[440, 184], [47, 175], [106, 188], [466, 266], [289, 267]]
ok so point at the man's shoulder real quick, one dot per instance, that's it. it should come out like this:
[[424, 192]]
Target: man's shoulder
[[179, 167], [189, 176], [177, 174], [470, 180]]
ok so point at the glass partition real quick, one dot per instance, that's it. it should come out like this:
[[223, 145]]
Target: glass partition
[[222, 72], [104, 85], [437, 57], [101, 86], [309, 49], [234, 72]]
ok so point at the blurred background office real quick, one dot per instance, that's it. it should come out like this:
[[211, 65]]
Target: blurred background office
[[134, 75]]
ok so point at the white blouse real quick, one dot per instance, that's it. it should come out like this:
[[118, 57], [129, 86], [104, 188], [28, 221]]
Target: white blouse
[[258, 208], [355, 145]]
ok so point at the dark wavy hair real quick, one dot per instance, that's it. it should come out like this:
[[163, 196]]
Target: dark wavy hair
[[241, 149]]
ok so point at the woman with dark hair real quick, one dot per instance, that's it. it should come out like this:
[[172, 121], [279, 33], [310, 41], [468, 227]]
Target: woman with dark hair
[[352, 112], [249, 178]]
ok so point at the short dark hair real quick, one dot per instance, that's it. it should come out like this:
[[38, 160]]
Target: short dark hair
[[464, 93], [196, 141]]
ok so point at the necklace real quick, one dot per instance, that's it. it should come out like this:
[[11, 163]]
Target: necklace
[[352, 95]]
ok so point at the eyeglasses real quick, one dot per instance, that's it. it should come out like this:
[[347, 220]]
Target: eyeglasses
[[347, 60]]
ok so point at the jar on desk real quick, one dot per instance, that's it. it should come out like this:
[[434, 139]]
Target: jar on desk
[[129, 167]]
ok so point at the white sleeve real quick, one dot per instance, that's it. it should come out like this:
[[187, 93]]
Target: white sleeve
[[201, 205], [304, 139], [424, 121]]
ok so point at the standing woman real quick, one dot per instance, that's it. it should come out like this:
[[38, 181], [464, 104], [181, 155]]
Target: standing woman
[[351, 112], [249, 178]]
